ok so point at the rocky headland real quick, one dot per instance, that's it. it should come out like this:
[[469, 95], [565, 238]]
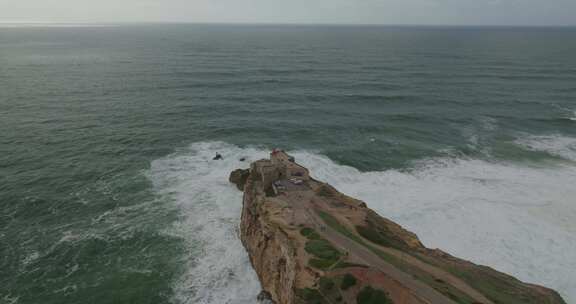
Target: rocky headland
[[310, 243]]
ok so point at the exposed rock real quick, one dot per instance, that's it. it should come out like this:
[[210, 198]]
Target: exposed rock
[[310, 243], [239, 177], [264, 297]]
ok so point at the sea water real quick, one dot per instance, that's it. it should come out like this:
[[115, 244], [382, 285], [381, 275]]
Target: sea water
[[108, 190]]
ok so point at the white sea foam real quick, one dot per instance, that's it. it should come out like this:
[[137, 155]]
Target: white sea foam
[[518, 219], [557, 145], [218, 270]]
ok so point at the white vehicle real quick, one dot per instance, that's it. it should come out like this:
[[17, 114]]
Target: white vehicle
[[296, 181]]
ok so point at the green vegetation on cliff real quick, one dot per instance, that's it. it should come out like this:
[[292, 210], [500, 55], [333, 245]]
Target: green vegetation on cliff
[[347, 281], [369, 295], [325, 254]]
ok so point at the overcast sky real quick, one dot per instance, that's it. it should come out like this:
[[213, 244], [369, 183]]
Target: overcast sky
[[434, 12]]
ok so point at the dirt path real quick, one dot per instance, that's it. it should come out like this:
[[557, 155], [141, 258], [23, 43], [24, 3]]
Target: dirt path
[[419, 289], [439, 273]]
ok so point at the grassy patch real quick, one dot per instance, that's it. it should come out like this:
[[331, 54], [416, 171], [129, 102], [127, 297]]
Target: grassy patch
[[343, 264], [347, 281], [328, 288], [335, 224], [326, 293], [369, 295], [377, 230], [310, 234], [310, 296], [325, 254], [321, 264], [326, 191], [373, 236], [326, 284], [322, 249]]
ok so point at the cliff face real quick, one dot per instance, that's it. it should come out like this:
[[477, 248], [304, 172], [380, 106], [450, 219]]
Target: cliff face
[[272, 251], [311, 244]]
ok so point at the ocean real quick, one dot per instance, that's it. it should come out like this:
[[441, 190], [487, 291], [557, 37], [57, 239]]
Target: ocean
[[108, 192]]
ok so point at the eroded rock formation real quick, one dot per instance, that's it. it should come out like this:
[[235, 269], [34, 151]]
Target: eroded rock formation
[[239, 177]]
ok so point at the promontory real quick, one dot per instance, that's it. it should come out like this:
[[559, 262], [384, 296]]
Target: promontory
[[310, 243]]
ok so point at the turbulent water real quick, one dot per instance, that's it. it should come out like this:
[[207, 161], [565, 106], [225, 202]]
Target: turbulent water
[[108, 194]]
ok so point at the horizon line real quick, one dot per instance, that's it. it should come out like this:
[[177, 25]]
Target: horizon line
[[111, 23]]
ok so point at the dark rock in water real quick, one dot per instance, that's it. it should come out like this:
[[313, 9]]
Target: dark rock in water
[[264, 297], [242, 159], [239, 177], [218, 157]]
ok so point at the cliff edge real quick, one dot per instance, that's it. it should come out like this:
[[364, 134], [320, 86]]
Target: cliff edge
[[310, 243]]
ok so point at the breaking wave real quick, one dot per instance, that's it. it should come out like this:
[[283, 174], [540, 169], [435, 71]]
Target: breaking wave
[[557, 145], [517, 219]]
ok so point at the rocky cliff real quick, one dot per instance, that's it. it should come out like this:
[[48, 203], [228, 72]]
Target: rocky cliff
[[310, 243]]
